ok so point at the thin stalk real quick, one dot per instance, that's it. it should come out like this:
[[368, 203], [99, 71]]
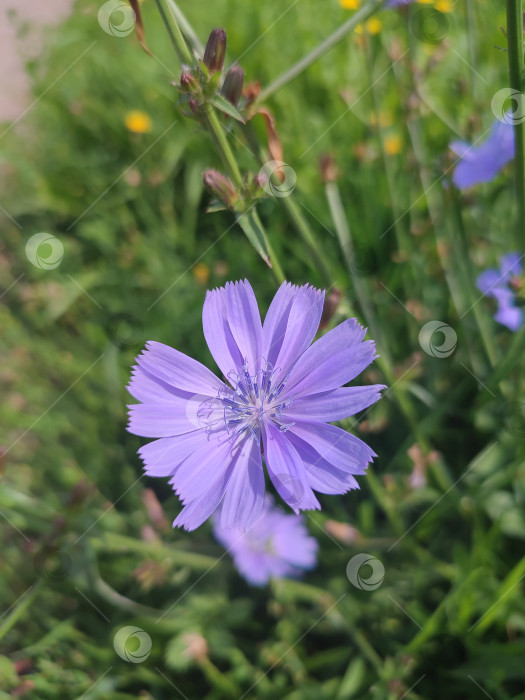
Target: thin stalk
[[344, 237], [174, 32], [517, 82], [115, 543], [291, 73], [384, 361], [399, 226], [294, 214], [274, 260], [222, 145], [472, 291], [461, 285], [186, 28], [308, 236]]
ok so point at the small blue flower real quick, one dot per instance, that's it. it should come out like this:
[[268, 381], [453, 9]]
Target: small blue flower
[[495, 283], [277, 545], [482, 163]]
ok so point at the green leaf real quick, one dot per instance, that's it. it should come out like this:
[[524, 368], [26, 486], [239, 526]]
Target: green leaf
[[251, 225], [222, 104]]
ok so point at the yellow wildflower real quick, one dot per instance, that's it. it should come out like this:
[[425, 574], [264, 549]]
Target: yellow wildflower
[[444, 5], [138, 122], [201, 273], [373, 26], [350, 4], [392, 145]]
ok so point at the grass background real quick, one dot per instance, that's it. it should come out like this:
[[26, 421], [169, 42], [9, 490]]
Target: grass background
[[85, 548]]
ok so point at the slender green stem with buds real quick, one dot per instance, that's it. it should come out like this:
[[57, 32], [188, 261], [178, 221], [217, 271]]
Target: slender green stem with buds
[[517, 82]]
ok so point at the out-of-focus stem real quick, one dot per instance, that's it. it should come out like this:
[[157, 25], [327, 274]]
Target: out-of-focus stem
[[360, 16], [517, 82], [186, 27], [384, 361], [174, 32], [304, 229], [342, 230]]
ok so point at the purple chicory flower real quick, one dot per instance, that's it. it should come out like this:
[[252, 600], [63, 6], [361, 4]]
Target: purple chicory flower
[[281, 393], [276, 545], [482, 163], [495, 283]]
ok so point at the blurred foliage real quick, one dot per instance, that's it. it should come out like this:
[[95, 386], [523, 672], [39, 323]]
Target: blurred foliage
[[85, 548]]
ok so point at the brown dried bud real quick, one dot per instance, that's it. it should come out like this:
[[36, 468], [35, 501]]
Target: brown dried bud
[[342, 531], [232, 87], [215, 51], [331, 303], [328, 168], [154, 510], [252, 91], [221, 186]]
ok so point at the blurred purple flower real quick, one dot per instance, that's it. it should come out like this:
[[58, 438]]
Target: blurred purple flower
[[276, 545], [495, 283], [281, 392], [482, 163], [398, 3]]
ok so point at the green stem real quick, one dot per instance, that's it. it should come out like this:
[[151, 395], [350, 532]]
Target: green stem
[[360, 16], [517, 82], [276, 265], [174, 32], [223, 147], [186, 28], [472, 291], [306, 232], [344, 237], [113, 542], [384, 361]]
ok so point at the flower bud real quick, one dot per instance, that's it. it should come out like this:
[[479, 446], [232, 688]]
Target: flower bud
[[331, 303], [232, 87], [215, 51], [328, 168], [221, 186], [188, 83]]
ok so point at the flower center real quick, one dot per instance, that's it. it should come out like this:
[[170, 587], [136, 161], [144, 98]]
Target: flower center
[[254, 399]]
